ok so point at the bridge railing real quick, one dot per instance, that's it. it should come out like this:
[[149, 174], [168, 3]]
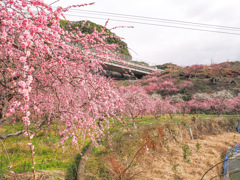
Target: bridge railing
[[133, 65], [128, 64]]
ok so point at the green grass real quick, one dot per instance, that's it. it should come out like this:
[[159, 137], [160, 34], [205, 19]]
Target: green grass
[[47, 156]]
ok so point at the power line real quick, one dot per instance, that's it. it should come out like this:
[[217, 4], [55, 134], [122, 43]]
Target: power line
[[157, 19], [162, 25]]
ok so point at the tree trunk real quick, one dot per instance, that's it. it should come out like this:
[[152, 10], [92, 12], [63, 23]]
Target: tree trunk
[[83, 162]]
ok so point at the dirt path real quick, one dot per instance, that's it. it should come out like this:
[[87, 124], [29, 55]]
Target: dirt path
[[169, 162]]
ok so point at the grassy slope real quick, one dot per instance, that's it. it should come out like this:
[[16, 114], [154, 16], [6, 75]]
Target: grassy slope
[[107, 161], [202, 79], [47, 155]]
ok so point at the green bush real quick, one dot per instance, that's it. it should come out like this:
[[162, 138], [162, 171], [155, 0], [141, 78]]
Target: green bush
[[186, 152], [186, 97]]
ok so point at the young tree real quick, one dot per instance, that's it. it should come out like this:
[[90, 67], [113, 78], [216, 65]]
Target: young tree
[[165, 106], [135, 101], [183, 107]]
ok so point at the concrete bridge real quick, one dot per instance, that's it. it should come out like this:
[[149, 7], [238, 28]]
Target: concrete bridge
[[125, 68]]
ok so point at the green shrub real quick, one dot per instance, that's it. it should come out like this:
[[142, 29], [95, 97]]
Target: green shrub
[[186, 152], [125, 84], [186, 97]]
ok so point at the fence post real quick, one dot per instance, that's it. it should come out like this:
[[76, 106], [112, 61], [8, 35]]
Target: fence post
[[190, 132]]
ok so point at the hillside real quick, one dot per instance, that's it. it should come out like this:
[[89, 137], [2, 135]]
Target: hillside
[[196, 82], [88, 28]]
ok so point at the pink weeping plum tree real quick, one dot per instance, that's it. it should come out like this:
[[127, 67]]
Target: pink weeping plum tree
[[46, 71], [136, 101], [164, 106]]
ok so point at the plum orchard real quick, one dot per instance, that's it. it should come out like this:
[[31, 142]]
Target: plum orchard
[[48, 72], [164, 86]]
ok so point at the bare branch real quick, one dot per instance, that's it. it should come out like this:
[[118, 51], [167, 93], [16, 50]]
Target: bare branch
[[130, 164], [4, 136]]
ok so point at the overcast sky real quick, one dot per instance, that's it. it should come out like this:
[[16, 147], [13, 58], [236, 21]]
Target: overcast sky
[[159, 45]]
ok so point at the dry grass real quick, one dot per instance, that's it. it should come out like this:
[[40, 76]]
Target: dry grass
[[160, 164], [40, 175], [212, 139]]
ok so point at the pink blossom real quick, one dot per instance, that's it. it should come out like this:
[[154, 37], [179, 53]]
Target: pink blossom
[[9, 23], [23, 44], [28, 113], [24, 3], [7, 115], [30, 78], [24, 22], [25, 134], [25, 92], [4, 22], [3, 38], [23, 59], [12, 110], [67, 40], [25, 68], [29, 42], [26, 121], [26, 98], [22, 84], [16, 25], [28, 53], [13, 74]]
